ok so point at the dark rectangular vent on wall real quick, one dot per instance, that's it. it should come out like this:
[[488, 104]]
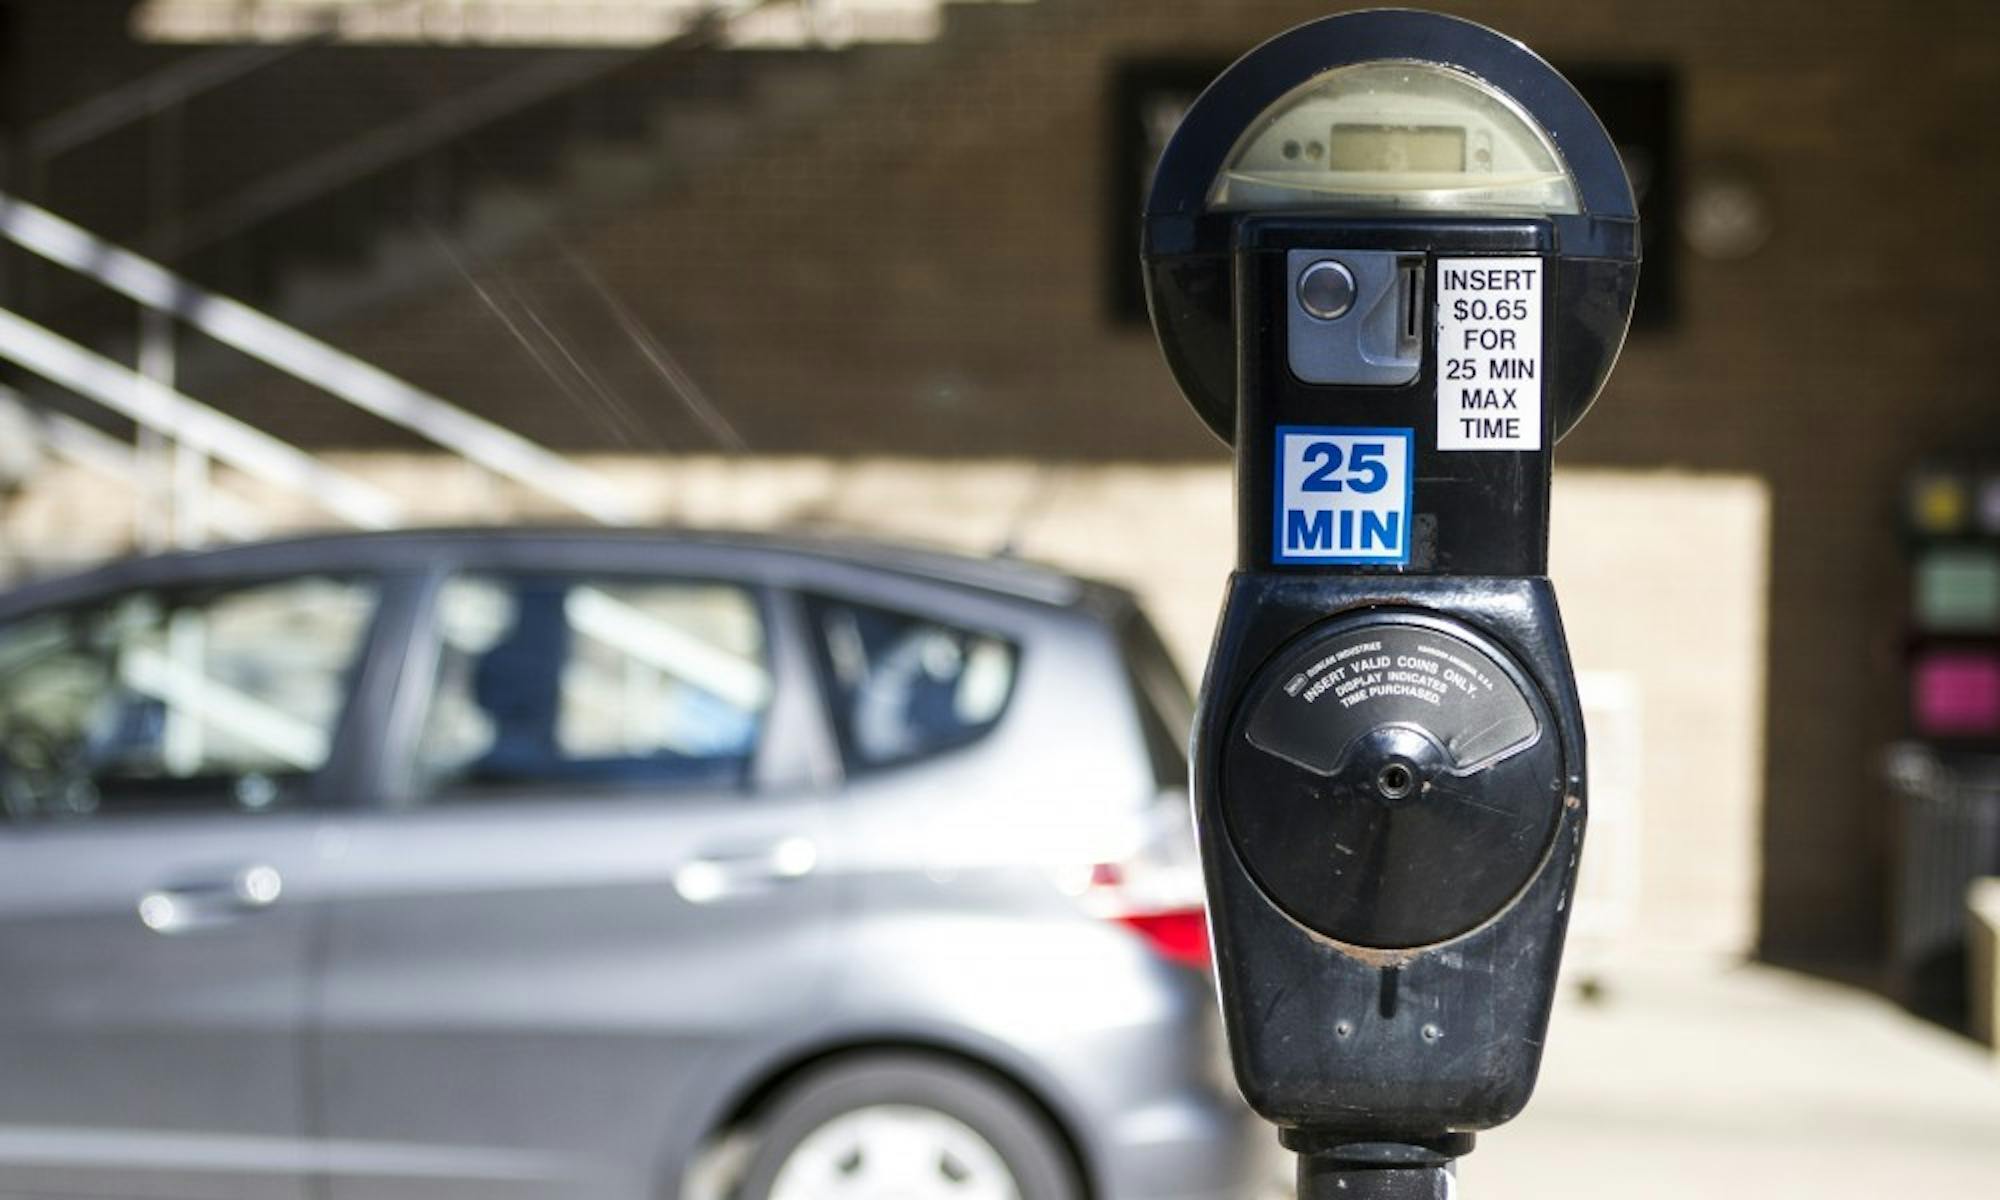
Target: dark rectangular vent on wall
[[1147, 98], [1639, 104]]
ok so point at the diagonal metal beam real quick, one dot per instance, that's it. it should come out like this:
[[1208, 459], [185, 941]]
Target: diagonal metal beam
[[150, 95], [549, 76], [171, 86], [216, 434], [361, 384]]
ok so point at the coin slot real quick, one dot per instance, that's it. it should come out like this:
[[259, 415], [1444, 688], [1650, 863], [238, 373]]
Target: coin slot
[[1412, 282]]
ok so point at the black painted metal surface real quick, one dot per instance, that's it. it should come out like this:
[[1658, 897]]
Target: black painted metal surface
[[1389, 765], [1408, 1042], [1379, 755]]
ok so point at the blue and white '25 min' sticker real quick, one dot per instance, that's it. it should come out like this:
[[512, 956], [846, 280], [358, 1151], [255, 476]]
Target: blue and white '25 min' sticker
[[1343, 495]]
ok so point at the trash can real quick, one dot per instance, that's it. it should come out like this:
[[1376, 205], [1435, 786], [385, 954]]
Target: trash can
[[1948, 813]]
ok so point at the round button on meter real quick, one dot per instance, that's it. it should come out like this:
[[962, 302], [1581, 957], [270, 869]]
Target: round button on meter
[[1326, 289]]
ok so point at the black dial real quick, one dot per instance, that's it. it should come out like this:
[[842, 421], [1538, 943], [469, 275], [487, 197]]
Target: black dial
[[1392, 781]]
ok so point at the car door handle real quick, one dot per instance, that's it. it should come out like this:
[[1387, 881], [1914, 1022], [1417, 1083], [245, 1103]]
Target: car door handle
[[727, 874], [203, 904]]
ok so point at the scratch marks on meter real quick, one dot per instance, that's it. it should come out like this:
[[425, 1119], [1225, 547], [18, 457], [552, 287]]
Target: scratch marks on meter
[[1489, 354]]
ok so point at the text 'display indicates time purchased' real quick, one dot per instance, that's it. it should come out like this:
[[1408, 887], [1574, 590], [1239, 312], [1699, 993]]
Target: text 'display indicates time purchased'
[[1489, 354]]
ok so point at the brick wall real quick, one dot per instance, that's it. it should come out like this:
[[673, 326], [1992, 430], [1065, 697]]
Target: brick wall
[[920, 274]]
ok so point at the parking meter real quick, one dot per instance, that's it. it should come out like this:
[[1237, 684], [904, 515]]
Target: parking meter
[[1390, 258]]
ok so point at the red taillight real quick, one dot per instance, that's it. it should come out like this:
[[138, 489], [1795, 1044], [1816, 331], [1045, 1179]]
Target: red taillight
[[1180, 935], [1160, 904]]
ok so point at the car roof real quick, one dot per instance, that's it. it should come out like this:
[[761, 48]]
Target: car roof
[[560, 547]]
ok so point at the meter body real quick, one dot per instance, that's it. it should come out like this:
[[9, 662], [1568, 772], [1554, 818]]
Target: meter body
[[1390, 257]]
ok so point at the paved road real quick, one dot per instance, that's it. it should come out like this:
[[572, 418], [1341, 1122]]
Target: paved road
[[1746, 1084]]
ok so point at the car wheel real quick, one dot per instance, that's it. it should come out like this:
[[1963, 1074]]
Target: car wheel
[[906, 1127]]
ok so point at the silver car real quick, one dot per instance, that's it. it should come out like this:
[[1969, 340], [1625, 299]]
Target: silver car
[[539, 864]]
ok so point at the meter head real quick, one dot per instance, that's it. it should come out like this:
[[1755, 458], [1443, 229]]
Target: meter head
[[1400, 136], [1390, 258]]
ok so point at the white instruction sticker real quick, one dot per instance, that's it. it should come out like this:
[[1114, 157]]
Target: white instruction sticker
[[1343, 495], [1489, 351]]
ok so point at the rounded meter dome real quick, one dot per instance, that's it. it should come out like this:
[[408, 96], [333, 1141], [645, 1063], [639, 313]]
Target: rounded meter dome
[[1388, 137], [1382, 115]]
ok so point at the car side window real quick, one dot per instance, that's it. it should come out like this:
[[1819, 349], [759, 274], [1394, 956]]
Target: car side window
[[558, 681], [906, 687], [224, 699]]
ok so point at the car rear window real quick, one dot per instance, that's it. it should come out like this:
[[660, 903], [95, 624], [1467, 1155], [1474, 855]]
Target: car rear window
[[905, 687], [1166, 708]]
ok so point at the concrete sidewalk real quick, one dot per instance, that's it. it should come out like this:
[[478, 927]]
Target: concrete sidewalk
[[1750, 1083]]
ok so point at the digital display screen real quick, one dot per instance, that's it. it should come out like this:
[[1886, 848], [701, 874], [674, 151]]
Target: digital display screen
[[1397, 149]]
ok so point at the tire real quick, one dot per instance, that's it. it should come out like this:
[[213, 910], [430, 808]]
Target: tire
[[812, 1141]]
